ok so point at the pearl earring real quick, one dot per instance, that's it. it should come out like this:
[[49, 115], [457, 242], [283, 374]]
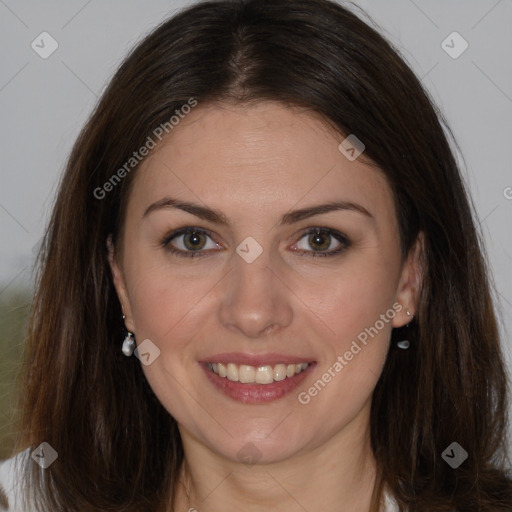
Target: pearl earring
[[128, 345], [404, 344]]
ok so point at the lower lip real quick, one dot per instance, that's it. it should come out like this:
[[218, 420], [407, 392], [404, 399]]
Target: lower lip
[[256, 393]]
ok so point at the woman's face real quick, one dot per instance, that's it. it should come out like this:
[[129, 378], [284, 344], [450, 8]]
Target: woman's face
[[253, 288]]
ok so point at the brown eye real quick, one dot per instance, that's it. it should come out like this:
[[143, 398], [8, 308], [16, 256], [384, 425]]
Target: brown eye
[[323, 242], [189, 242], [319, 241], [194, 240]]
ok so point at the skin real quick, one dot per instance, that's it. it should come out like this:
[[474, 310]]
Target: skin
[[255, 164]]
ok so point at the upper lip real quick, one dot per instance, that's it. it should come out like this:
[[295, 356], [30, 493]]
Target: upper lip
[[256, 360]]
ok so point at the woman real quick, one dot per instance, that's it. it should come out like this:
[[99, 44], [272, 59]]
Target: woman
[[262, 286]]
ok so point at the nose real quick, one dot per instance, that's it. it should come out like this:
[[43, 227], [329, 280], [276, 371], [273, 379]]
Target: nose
[[255, 301]]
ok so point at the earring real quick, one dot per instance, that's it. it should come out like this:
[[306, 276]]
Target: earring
[[404, 344], [128, 345]]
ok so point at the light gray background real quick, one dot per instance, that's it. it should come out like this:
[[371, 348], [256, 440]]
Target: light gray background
[[44, 103]]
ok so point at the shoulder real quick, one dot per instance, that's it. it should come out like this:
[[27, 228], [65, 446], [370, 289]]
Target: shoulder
[[11, 482]]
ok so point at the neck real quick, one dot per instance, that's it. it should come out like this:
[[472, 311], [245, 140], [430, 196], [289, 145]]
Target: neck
[[337, 475]]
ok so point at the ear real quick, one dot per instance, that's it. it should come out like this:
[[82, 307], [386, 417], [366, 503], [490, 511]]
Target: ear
[[410, 282], [120, 286]]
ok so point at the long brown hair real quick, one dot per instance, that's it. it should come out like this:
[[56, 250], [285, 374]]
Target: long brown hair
[[119, 449]]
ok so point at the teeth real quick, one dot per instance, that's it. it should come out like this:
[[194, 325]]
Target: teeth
[[261, 375], [246, 373], [264, 375], [280, 372], [232, 372]]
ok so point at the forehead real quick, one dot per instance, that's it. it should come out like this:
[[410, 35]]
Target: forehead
[[248, 160]]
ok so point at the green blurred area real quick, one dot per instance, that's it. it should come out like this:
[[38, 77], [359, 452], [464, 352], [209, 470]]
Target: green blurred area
[[14, 308]]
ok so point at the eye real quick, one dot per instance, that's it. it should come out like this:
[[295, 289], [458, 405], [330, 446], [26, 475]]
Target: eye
[[189, 242], [324, 241]]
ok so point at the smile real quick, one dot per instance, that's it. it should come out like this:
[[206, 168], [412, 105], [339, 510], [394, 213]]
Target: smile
[[265, 374], [256, 379]]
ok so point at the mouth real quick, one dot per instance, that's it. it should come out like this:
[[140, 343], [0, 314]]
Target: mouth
[[255, 383], [247, 374]]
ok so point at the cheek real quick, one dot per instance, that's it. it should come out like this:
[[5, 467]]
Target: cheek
[[358, 311], [351, 299], [167, 310], [169, 306], [162, 305]]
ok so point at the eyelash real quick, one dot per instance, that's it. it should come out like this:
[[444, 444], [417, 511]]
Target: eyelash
[[340, 237]]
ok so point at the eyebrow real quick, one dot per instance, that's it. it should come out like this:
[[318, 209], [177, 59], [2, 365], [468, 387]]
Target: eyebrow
[[217, 217]]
